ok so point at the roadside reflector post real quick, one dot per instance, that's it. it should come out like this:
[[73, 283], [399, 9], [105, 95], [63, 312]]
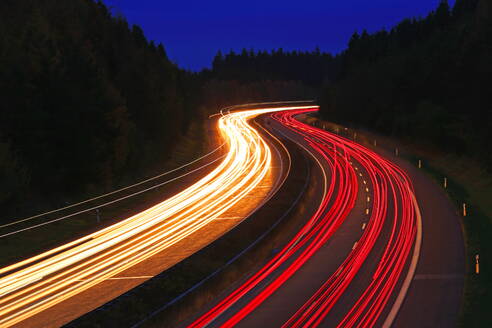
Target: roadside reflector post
[[445, 183], [355, 135], [464, 209], [397, 152], [98, 215], [420, 163], [324, 127], [375, 143], [477, 264]]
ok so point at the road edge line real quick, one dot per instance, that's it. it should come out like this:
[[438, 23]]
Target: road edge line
[[411, 271]]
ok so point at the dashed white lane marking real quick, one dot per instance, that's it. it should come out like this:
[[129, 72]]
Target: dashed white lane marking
[[364, 226]]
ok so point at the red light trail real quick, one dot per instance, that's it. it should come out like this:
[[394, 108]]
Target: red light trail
[[393, 204]]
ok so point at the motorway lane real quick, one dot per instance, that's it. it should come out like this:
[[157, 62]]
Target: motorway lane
[[259, 307], [278, 308], [110, 285], [436, 294], [369, 292]]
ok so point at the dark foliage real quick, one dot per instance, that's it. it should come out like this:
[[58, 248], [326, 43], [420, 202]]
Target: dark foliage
[[312, 68], [261, 76], [87, 100], [426, 79]]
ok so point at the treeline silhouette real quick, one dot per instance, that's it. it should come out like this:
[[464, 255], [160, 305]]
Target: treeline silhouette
[[313, 68], [260, 76], [426, 79], [264, 76], [86, 102]]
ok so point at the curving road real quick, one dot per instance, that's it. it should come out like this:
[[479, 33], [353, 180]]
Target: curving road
[[353, 262]]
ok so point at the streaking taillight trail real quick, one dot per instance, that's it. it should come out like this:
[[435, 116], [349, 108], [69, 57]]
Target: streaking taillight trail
[[393, 203], [390, 186]]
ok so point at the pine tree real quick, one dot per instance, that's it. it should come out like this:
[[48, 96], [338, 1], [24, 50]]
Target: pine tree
[[443, 13], [354, 39], [161, 51], [218, 60]]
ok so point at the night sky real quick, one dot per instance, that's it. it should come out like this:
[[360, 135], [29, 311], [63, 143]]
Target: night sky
[[193, 30]]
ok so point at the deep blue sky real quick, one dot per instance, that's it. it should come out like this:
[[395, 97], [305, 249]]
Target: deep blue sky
[[193, 30]]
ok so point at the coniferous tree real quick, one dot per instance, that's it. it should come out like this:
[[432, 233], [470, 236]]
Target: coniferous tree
[[443, 13]]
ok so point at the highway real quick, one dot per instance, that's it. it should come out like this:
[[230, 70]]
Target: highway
[[31, 288], [353, 261]]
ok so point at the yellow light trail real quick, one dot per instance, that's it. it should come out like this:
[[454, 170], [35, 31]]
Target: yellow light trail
[[31, 286]]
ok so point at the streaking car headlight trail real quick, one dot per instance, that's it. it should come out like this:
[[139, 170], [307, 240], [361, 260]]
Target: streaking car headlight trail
[[35, 284]]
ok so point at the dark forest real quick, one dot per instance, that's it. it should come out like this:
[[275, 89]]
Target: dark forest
[[87, 100]]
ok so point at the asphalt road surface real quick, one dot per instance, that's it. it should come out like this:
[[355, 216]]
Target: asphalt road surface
[[382, 246], [396, 258]]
